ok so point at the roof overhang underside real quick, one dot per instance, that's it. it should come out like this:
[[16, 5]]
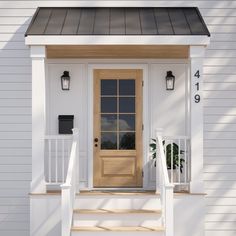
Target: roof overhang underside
[[122, 28]]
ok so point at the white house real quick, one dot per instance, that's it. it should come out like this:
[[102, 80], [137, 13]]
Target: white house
[[89, 89]]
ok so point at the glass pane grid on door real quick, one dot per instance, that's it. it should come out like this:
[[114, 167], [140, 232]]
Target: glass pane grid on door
[[117, 114]]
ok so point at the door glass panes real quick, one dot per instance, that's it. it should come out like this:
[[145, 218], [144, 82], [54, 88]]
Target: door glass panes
[[126, 140], [108, 87], [126, 122], [127, 105], [108, 122], [117, 114], [109, 104], [108, 140], [127, 87]]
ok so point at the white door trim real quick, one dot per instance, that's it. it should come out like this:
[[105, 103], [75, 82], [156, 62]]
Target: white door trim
[[91, 67]]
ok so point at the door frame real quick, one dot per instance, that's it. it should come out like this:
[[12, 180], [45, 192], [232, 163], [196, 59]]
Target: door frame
[[91, 68]]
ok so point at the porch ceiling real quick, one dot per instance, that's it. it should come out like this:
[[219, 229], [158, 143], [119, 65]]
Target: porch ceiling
[[118, 51]]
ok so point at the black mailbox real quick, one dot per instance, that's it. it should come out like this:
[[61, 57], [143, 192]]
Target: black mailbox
[[66, 124]]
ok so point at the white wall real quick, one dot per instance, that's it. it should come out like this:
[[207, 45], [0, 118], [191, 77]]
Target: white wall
[[167, 109], [189, 215], [219, 118], [72, 102], [45, 212]]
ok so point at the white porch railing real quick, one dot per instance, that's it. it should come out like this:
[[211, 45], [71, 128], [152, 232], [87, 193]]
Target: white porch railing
[[177, 154], [57, 152], [165, 187], [68, 189]]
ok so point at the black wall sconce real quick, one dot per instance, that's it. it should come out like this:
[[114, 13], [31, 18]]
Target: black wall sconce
[[65, 81], [170, 81]]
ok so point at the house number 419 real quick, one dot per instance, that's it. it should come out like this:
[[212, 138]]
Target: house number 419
[[197, 97]]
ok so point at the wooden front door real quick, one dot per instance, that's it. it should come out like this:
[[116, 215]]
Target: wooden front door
[[117, 128]]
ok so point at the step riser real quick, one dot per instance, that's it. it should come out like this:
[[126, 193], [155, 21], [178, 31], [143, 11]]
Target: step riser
[[109, 233], [117, 220], [152, 203]]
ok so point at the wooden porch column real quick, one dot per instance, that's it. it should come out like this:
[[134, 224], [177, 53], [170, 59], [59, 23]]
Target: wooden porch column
[[38, 118], [196, 55]]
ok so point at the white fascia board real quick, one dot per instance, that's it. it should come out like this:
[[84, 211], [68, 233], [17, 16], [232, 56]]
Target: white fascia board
[[117, 40]]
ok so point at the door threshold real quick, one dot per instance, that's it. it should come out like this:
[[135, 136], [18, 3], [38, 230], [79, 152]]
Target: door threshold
[[117, 192], [117, 189]]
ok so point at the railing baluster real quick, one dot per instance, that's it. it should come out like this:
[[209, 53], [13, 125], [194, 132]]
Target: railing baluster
[[165, 148], [63, 160], [179, 160], [172, 161], [185, 162], [68, 153], [56, 160], [188, 158], [49, 160]]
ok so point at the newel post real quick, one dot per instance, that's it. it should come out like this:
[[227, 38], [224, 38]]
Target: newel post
[[38, 55], [75, 132], [196, 55], [158, 132]]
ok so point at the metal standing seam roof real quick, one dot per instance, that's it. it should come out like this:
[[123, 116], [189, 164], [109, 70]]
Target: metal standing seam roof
[[117, 21]]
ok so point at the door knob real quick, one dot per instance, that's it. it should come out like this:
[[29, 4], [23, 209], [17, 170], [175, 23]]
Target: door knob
[[96, 140]]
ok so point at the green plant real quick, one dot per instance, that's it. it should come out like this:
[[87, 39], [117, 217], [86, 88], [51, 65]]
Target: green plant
[[170, 151]]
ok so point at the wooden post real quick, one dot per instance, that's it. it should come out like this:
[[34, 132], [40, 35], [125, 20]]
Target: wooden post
[[196, 55], [38, 118], [77, 161]]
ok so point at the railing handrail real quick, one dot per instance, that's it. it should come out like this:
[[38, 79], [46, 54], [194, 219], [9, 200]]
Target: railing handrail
[[176, 137], [68, 189], [59, 137]]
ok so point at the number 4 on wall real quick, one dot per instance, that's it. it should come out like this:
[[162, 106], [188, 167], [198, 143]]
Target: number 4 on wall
[[197, 74]]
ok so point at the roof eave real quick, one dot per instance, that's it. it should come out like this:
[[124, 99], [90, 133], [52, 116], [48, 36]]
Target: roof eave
[[117, 40]]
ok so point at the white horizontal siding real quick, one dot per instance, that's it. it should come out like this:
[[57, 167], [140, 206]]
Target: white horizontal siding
[[220, 123], [15, 122], [219, 104]]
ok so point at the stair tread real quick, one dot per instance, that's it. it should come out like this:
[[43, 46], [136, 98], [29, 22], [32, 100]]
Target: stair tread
[[99, 192], [120, 228], [116, 211]]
